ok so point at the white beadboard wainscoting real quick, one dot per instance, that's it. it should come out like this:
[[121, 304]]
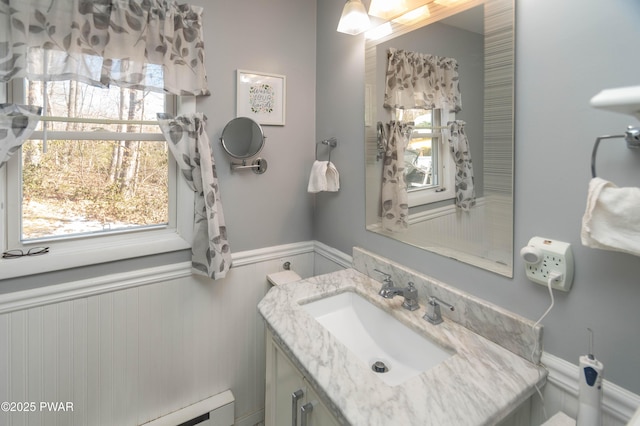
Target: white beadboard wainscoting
[[561, 395], [128, 348]]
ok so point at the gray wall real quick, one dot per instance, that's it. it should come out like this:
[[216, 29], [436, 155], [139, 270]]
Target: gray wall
[[260, 210], [566, 52], [272, 208]]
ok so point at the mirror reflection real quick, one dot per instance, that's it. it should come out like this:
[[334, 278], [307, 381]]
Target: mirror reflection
[[242, 138], [439, 134]]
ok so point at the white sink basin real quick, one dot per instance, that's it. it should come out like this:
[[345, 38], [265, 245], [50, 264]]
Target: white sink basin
[[374, 335]]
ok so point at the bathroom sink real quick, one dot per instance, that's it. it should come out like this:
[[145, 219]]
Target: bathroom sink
[[379, 340]]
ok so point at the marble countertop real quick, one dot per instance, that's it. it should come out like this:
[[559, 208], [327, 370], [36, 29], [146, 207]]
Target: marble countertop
[[479, 385]]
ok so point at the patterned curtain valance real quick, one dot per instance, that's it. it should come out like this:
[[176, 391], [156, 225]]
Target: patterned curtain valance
[[140, 44], [416, 80]]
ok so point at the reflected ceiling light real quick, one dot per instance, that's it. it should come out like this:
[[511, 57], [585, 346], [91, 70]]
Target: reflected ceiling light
[[379, 31], [387, 9], [354, 19], [448, 2], [413, 16]]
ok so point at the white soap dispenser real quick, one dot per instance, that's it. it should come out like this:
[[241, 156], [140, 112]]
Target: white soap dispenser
[[590, 397]]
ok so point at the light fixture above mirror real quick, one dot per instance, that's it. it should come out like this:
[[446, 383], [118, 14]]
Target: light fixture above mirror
[[354, 19], [392, 9]]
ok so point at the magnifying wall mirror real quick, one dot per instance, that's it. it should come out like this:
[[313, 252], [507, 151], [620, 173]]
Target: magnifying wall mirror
[[243, 138], [479, 36]]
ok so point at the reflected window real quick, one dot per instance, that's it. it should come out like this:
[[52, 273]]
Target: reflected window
[[421, 156], [427, 160]]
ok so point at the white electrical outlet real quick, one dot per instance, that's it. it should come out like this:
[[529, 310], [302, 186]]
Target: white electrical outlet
[[544, 257]]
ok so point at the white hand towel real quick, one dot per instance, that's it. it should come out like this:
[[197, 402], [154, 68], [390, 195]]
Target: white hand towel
[[333, 178], [318, 177], [610, 221]]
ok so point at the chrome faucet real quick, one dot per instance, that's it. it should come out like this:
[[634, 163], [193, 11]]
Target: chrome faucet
[[433, 314], [388, 291], [410, 294]]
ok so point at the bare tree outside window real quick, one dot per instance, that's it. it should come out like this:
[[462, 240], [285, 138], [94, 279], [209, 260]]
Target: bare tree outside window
[[72, 185]]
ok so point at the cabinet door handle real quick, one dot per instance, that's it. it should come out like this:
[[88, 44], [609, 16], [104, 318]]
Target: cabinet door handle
[[305, 410], [294, 406]]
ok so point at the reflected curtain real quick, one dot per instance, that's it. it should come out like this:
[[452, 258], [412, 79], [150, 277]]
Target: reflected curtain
[[395, 204], [189, 144], [17, 122], [418, 80], [139, 44], [459, 145]]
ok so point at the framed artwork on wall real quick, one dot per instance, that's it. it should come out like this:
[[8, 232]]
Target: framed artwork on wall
[[261, 97]]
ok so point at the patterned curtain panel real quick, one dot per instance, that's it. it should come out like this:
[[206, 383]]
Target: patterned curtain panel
[[459, 144], [17, 122], [395, 203], [140, 44], [416, 80], [189, 144]]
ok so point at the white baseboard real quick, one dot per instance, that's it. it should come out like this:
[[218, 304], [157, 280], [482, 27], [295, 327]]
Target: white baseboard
[[256, 418], [617, 402]]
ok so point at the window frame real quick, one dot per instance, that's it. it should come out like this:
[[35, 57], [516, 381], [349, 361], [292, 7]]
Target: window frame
[[446, 188], [86, 250]]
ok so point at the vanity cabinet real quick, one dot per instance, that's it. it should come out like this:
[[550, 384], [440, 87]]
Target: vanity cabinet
[[289, 398]]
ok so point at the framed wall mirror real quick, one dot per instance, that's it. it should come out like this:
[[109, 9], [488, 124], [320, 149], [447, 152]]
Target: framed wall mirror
[[419, 147]]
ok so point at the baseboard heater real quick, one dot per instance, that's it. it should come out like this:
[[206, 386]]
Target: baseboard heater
[[217, 410]]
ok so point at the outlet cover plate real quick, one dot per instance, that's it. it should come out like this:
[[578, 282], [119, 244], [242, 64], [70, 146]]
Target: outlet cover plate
[[554, 257]]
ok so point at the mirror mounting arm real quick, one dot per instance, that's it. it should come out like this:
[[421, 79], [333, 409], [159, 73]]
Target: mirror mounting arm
[[259, 165]]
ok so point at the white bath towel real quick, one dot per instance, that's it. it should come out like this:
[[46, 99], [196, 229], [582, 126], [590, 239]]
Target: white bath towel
[[324, 177], [610, 221], [333, 178], [318, 177]]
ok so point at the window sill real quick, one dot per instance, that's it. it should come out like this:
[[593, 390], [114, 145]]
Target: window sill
[[428, 196], [86, 253]]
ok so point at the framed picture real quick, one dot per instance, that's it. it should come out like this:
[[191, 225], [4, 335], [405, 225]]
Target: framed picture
[[261, 96]]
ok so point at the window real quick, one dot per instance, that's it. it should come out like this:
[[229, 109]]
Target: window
[[429, 168], [91, 184], [85, 178]]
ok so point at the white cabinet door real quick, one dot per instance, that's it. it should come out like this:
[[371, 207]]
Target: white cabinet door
[[319, 414], [283, 381], [290, 399]]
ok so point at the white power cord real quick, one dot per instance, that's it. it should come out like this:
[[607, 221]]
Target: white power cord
[[552, 277]]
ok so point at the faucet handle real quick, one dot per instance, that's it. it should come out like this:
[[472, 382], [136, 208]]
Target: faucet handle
[[436, 301], [433, 314], [410, 297], [387, 277], [411, 289]]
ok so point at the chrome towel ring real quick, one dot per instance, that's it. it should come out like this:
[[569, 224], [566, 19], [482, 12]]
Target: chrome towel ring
[[631, 135], [331, 143]]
